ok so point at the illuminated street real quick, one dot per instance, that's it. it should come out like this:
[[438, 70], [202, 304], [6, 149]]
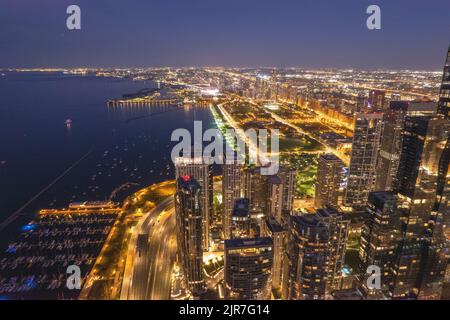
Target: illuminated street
[[152, 251], [329, 148], [203, 153]]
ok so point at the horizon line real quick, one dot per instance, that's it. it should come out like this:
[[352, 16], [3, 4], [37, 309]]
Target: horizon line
[[49, 68]]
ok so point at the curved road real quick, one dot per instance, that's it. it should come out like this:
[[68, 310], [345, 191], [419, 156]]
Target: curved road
[[151, 255]]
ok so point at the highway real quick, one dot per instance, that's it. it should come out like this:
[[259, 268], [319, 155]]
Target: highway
[[163, 248], [151, 255]]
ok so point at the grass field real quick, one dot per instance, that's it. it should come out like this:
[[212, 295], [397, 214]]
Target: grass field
[[298, 145], [306, 166]]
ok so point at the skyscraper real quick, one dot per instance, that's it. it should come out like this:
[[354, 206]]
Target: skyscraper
[[240, 219], [363, 161], [377, 100], [380, 236], [275, 197], [278, 234], [436, 242], [420, 266], [189, 231], [244, 223], [287, 176], [329, 178], [202, 173], [391, 141], [255, 189], [231, 190], [338, 228], [306, 258], [444, 209], [443, 179], [390, 146], [248, 268], [361, 102], [269, 195], [439, 237], [444, 94]]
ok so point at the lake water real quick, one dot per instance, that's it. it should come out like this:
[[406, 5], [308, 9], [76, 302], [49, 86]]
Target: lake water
[[103, 149]]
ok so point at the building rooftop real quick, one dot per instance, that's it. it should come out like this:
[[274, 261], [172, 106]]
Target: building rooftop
[[307, 220], [327, 212], [329, 157], [248, 242], [241, 208], [275, 180], [274, 226], [378, 198], [187, 182]]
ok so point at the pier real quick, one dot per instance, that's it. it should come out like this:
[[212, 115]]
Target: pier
[[137, 102], [84, 208]]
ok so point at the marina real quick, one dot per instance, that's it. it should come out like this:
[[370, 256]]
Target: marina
[[34, 266]]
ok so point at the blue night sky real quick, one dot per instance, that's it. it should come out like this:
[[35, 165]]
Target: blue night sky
[[279, 33]]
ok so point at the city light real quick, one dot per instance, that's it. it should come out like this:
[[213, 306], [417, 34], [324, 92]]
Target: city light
[[225, 154]]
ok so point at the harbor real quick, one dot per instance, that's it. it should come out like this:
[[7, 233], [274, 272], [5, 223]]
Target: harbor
[[34, 266]]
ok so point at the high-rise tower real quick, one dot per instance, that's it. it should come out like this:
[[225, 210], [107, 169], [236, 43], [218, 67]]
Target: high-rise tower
[[202, 173], [189, 231], [248, 268], [420, 265], [330, 175], [278, 234], [377, 100], [338, 228], [444, 94], [231, 190], [363, 161], [380, 236], [391, 141], [255, 189], [306, 257]]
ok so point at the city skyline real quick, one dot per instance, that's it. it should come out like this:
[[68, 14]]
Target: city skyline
[[220, 183], [287, 235]]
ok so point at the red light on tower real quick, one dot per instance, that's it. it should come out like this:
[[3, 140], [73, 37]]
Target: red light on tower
[[186, 178]]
